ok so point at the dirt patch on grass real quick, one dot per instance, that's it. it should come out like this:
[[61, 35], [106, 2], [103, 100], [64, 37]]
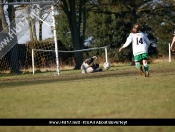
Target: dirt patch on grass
[[78, 76]]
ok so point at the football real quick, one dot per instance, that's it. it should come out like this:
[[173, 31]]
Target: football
[[106, 65]]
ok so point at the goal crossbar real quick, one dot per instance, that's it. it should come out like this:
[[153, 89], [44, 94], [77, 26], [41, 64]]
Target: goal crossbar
[[70, 51], [33, 65]]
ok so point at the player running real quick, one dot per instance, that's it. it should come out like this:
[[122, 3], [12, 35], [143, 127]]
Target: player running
[[140, 44]]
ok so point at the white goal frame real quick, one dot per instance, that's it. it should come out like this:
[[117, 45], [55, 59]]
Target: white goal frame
[[58, 67]]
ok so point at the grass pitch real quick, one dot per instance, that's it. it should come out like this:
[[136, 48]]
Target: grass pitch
[[119, 92]]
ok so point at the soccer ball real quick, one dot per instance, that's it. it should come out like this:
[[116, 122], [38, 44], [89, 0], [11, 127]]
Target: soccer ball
[[106, 65]]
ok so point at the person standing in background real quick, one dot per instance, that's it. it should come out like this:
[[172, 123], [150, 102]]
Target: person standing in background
[[173, 41]]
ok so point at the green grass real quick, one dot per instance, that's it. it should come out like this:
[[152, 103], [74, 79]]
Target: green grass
[[119, 92]]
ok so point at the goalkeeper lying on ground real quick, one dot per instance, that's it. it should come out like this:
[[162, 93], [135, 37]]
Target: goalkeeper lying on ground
[[89, 66]]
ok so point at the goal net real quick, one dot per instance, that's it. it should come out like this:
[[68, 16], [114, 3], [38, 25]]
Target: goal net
[[29, 25], [47, 63], [29, 43]]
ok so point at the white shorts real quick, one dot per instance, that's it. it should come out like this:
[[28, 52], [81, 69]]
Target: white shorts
[[86, 69]]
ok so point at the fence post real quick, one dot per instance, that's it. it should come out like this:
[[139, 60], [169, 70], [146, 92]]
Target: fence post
[[106, 54], [33, 65], [169, 52]]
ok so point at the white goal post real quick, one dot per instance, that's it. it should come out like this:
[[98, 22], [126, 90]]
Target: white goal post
[[58, 67]]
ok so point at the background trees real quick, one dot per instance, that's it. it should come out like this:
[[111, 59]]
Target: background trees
[[106, 22], [76, 14]]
